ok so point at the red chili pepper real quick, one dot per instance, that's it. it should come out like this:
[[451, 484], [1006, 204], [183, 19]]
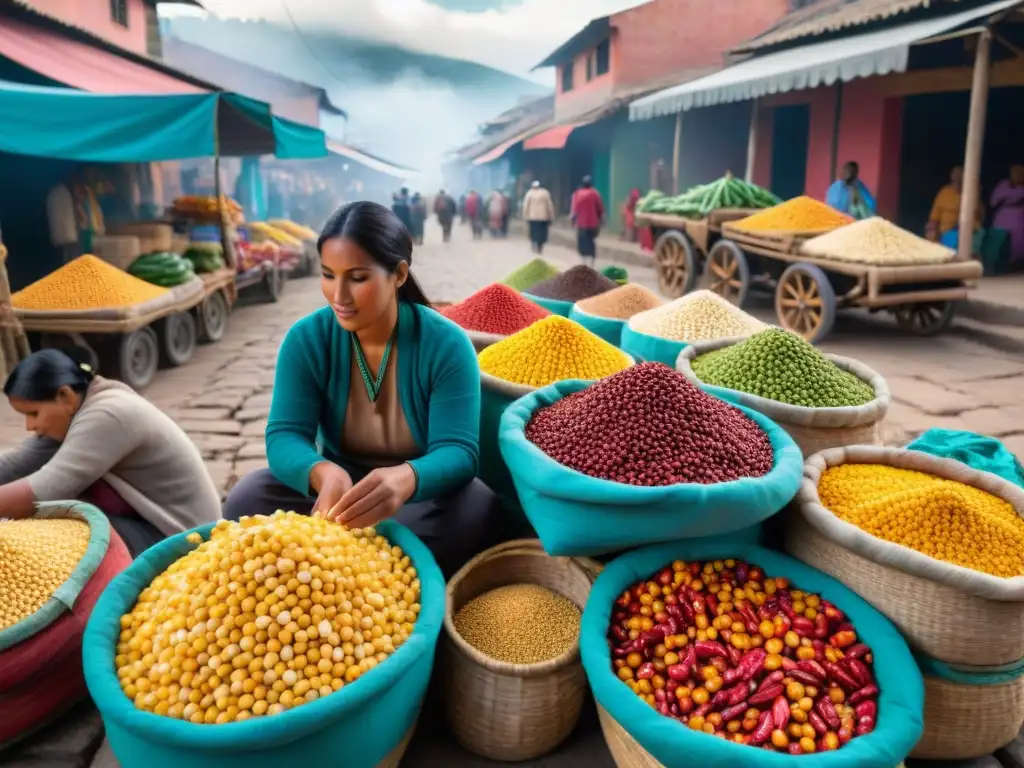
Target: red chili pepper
[[817, 723], [867, 709], [804, 677], [820, 626], [774, 678], [867, 692], [842, 677], [788, 664], [765, 695], [859, 670], [712, 602], [735, 654], [828, 713], [865, 725], [814, 668], [654, 636], [780, 713], [621, 635], [734, 713], [763, 730], [645, 672], [708, 648], [803, 626], [856, 651], [702, 710], [752, 663]]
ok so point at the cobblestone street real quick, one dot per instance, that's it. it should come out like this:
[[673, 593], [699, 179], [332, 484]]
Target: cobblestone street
[[222, 396]]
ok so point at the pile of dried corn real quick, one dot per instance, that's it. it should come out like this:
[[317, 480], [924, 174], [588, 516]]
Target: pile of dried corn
[[878, 242], [83, 284]]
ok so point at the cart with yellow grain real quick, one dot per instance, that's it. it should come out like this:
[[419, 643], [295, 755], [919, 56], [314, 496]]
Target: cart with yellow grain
[[810, 283]]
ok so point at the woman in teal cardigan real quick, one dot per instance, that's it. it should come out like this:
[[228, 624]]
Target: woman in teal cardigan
[[376, 404]]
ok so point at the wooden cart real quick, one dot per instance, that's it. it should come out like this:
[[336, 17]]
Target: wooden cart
[[682, 244], [809, 290], [131, 343]]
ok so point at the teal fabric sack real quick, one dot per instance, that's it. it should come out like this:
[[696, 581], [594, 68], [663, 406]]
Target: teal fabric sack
[[607, 328], [900, 705], [976, 451], [358, 725], [651, 349], [575, 514], [554, 306], [491, 469]]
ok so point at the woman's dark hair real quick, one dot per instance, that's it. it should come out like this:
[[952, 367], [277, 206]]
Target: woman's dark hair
[[379, 232], [40, 376]]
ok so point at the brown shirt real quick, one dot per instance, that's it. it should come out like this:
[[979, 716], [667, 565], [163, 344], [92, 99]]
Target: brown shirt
[[376, 434]]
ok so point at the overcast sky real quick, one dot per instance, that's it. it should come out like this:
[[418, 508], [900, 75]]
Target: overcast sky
[[512, 35]]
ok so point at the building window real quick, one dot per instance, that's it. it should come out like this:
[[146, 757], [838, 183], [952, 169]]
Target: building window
[[590, 67], [602, 58], [119, 12], [567, 76]]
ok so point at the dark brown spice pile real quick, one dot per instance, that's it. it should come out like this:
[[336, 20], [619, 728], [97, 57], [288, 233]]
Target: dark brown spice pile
[[649, 426], [580, 282]]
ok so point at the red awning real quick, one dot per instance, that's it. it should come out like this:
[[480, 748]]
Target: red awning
[[80, 65], [497, 152], [553, 138]]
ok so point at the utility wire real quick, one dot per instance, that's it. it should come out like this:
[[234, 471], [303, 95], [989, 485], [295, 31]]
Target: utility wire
[[306, 45]]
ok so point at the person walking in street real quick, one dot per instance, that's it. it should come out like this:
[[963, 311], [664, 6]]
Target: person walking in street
[[417, 218], [539, 212], [587, 216], [1008, 204], [375, 412], [400, 207], [495, 212], [475, 213], [850, 195], [629, 216], [445, 208]]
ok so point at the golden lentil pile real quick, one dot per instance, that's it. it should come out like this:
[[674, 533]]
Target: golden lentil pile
[[36, 557], [621, 303], [879, 242], [86, 283], [269, 614], [944, 519], [698, 316], [801, 214], [550, 350], [519, 624]]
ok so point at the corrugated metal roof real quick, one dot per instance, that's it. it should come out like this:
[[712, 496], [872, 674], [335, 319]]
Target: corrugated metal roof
[[826, 16]]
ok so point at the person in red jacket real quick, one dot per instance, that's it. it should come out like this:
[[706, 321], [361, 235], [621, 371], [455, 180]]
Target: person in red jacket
[[587, 216]]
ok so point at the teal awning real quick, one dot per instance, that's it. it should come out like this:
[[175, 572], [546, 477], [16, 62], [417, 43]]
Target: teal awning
[[277, 136], [295, 141]]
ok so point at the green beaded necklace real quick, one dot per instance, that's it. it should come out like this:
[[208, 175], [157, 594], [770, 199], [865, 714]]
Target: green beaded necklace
[[373, 386]]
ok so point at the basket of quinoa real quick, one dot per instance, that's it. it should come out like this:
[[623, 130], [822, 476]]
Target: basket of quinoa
[[607, 313]]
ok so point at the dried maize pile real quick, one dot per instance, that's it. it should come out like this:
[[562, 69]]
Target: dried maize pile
[[944, 519], [801, 214], [263, 231], [878, 242], [698, 316], [621, 303], [36, 557], [550, 350], [86, 283], [269, 614], [295, 230]]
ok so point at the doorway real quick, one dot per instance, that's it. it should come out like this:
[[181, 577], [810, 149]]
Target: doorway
[[790, 135]]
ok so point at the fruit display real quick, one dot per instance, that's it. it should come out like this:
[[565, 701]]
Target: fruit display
[[164, 269], [697, 202], [205, 257], [267, 615], [496, 309], [261, 253], [729, 651], [86, 283], [295, 230], [206, 208], [649, 426], [263, 232]]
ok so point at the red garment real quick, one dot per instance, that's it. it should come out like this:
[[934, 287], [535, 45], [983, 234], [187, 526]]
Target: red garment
[[472, 206], [102, 496], [587, 208], [629, 209]]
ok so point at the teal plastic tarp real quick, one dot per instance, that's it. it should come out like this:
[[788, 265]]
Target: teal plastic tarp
[[295, 141]]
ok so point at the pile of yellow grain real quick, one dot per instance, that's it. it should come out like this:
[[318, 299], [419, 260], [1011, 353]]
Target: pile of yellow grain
[[801, 214], [86, 283], [878, 242]]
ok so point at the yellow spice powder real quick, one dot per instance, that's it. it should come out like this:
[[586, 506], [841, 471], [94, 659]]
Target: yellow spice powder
[[86, 283]]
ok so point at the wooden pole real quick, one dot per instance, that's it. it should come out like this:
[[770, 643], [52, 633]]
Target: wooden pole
[[755, 118], [676, 148], [975, 140]]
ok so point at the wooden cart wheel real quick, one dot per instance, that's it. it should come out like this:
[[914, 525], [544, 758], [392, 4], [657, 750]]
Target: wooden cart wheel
[[177, 336], [805, 302], [138, 355], [677, 264], [212, 315], [727, 272], [272, 284], [925, 319]]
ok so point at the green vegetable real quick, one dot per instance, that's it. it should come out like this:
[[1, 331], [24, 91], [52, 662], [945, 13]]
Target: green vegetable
[[779, 365], [163, 269], [699, 201]]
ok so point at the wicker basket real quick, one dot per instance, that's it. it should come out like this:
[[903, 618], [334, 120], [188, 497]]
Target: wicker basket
[[118, 250], [930, 602], [503, 711], [626, 751], [967, 721]]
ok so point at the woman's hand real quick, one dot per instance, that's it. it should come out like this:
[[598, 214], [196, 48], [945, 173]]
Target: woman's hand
[[376, 497], [331, 483]]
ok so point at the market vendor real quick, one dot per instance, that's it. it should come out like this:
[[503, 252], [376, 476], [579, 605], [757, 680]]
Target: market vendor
[[850, 195], [390, 391], [96, 440], [945, 214]]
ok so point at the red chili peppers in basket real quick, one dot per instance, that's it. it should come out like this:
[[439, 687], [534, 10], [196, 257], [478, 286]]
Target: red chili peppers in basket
[[734, 654], [649, 426]]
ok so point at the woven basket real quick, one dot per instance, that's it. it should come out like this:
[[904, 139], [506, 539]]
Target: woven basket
[[626, 751], [930, 602], [966, 721], [503, 711], [394, 757], [813, 429], [117, 250]]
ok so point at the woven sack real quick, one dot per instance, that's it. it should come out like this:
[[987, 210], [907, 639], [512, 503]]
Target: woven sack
[[40, 656], [639, 737], [117, 250], [813, 429], [651, 349], [575, 514], [367, 723], [969, 712], [607, 328], [540, 703], [482, 341], [929, 600], [554, 306], [152, 237]]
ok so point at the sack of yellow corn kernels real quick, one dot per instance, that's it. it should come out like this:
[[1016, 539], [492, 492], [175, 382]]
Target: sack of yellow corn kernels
[[327, 667], [822, 401], [938, 547], [53, 567]]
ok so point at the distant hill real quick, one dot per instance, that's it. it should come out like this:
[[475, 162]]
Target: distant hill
[[408, 106]]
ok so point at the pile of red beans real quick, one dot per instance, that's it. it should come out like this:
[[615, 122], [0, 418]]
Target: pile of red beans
[[649, 426], [728, 651]]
